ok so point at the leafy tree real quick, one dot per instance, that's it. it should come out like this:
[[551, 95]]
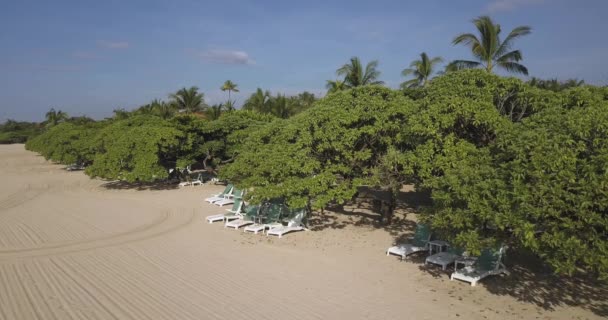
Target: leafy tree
[[121, 114], [488, 48], [139, 148], [355, 75], [335, 86], [554, 84], [66, 142], [230, 87], [422, 70], [12, 131], [54, 117], [215, 111], [322, 154], [188, 100]]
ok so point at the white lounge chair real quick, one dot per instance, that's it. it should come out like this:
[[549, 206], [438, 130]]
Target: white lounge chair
[[489, 263], [244, 220], [445, 258], [295, 224], [418, 243], [234, 213], [198, 181], [229, 199], [271, 214], [220, 196]]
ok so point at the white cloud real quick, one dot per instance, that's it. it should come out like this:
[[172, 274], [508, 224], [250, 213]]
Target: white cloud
[[227, 57], [509, 5], [113, 44]]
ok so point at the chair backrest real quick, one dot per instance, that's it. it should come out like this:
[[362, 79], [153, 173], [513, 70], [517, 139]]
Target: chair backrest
[[237, 193], [456, 250], [237, 205], [422, 235], [489, 259], [273, 212], [227, 190], [298, 216], [252, 211]]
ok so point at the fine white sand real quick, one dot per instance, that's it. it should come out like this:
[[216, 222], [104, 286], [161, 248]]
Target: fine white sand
[[74, 248]]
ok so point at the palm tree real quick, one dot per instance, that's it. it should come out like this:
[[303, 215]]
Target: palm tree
[[281, 106], [355, 75], [489, 49], [189, 100], [229, 86], [229, 105], [421, 69], [215, 111], [259, 101], [335, 86], [54, 117]]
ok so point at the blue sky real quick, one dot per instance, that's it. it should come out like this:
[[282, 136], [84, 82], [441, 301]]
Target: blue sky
[[90, 57]]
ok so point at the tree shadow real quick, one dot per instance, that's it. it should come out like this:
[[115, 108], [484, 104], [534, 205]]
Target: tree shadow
[[531, 281], [141, 186], [364, 211]]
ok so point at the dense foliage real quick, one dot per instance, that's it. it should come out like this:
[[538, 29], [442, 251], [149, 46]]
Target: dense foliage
[[504, 160], [142, 147], [13, 131]]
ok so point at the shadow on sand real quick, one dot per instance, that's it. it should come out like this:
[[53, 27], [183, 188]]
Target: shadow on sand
[[530, 280], [123, 185]]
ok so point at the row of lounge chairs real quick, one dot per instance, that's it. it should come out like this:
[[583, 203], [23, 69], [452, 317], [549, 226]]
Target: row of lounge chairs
[[271, 217], [474, 269], [194, 182]]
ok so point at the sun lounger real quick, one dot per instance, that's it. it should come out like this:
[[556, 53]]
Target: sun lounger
[[234, 213], [294, 224], [245, 220], [198, 181], [229, 199], [445, 258], [418, 244], [220, 196], [270, 215], [489, 263]]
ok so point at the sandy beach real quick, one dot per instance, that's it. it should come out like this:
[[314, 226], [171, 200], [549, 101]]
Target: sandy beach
[[72, 247]]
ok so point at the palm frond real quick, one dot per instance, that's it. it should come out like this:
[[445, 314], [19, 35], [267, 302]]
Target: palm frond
[[514, 34], [412, 83], [407, 72], [464, 64], [512, 56], [514, 67]]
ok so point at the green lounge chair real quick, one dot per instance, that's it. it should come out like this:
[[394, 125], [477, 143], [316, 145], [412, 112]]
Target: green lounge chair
[[294, 224], [220, 196], [251, 212], [489, 263], [229, 199], [419, 243], [445, 258], [270, 216], [234, 213]]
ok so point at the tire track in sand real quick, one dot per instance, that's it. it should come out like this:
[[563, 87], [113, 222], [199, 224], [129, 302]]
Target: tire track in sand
[[18, 198], [167, 223]]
